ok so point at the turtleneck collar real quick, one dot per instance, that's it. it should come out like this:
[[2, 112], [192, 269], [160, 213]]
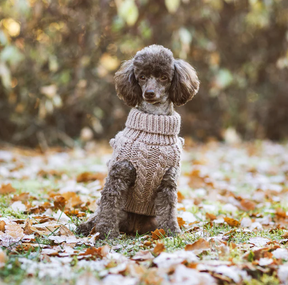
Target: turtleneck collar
[[155, 124]]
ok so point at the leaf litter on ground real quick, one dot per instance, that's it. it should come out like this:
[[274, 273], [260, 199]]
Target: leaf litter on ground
[[232, 210]]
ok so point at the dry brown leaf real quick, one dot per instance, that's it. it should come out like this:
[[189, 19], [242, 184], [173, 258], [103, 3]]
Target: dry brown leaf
[[180, 221], [159, 248], [192, 265], [14, 231], [27, 227], [231, 222], [23, 197], [89, 176], [40, 208], [198, 246], [72, 199], [2, 257], [47, 173], [180, 197], [181, 209], [147, 243], [247, 205], [7, 189], [280, 214], [151, 277], [143, 255], [210, 216], [99, 252], [2, 226], [258, 253], [64, 231], [59, 202], [158, 234]]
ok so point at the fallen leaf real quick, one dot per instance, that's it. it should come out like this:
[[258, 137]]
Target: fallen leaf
[[18, 206], [158, 234], [246, 222], [159, 248], [231, 222], [3, 258], [184, 275], [72, 199], [181, 222], [64, 231], [210, 216], [247, 205], [14, 231], [88, 176], [147, 243], [280, 253], [7, 189], [99, 252], [180, 197], [59, 202], [280, 214], [2, 226], [169, 260], [143, 255], [27, 227], [23, 197], [259, 241], [198, 246]]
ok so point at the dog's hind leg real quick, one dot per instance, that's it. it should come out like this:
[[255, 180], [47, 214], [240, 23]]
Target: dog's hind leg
[[121, 177], [166, 203]]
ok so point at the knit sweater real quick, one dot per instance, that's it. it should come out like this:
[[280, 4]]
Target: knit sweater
[[151, 143]]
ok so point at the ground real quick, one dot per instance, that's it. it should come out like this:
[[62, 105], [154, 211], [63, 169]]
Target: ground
[[232, 208]]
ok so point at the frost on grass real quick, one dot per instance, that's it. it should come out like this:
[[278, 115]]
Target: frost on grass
[[232, 209]]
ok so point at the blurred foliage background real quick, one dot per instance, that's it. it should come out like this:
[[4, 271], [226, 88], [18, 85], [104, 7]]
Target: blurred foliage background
[[58, 59]]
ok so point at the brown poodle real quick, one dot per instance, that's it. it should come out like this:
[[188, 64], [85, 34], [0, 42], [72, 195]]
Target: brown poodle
[[140, 193]]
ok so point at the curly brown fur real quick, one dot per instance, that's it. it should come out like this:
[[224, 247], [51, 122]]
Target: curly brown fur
[[106, 218], [166, 203], [153, 81]]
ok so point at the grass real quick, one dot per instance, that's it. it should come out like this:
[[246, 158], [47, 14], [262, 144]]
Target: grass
[[228, 244]]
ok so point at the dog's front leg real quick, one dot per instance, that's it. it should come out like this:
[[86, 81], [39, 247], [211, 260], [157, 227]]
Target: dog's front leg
[[166, 203], [121, 176]]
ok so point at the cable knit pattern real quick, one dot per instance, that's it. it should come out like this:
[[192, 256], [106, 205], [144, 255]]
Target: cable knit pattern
[[151, 143]]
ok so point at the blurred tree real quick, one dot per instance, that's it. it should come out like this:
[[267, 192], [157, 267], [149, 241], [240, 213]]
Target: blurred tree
[[58, 58]]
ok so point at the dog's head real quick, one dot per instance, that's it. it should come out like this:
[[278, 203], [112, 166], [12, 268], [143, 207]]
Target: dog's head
[[155, 76]]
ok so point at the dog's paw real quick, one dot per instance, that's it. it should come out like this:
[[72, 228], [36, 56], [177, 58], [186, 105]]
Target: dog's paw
[[84, 229], [172, 230], [106, 232]]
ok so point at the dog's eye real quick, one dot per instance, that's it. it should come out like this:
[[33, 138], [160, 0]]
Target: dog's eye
[[142, 77], [163, 78]]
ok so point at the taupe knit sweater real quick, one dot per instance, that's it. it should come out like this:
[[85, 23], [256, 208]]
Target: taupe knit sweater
[[151, 143]]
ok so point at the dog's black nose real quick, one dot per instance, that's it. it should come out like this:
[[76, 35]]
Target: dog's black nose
[[149, 94]]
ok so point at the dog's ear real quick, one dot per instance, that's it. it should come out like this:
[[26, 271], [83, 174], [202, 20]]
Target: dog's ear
[[185, 83], [127, 87]]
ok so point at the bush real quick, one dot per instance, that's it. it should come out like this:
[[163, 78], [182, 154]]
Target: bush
[[58, 59]]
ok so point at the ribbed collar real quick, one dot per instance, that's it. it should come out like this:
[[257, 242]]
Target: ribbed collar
[[155, 124]]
